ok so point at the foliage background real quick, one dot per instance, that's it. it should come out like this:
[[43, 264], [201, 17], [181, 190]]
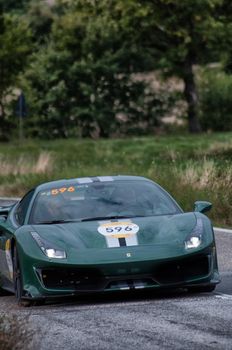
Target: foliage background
[[84, 66]]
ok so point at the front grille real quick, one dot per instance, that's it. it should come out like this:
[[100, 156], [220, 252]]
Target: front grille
[[91, 279], [86, 279], [182, 270], [71, 278]]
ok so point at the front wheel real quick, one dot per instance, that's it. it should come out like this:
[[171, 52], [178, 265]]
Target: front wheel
[[18, 281], [202, 289]]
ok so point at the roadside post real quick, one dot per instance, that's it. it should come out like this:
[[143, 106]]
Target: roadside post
[[21, 112]]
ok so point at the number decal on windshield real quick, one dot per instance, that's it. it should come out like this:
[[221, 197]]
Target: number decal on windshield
[[57, 191]]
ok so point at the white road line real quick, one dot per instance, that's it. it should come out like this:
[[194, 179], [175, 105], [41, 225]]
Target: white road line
[[223, 296], [9, 198], [226, 274], [219, 229]]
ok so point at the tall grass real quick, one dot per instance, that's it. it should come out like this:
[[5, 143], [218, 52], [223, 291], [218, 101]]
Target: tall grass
[[25, 165], [207, 180], [199, 175], [190, 167]]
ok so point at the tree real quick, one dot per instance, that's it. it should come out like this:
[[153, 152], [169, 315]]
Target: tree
[[225, 16], [82, 80], [187, 30], [14, 48], [14, 6], [175, 35], [40, 17], [96, 46], [171, 35]]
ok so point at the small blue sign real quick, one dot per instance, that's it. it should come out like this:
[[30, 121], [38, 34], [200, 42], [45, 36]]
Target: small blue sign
[[21, 109]]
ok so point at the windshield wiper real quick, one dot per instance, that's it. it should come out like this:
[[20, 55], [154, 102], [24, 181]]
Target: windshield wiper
[[50, 222], [110, 217]]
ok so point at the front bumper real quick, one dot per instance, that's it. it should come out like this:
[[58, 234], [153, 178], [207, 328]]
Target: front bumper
[[54, 280]]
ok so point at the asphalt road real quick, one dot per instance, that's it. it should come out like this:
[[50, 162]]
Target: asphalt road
[[176, 320]]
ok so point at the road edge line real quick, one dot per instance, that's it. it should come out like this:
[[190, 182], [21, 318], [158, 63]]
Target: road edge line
[[219, 229]]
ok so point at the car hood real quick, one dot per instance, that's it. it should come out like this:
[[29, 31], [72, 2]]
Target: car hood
[[154, 230]]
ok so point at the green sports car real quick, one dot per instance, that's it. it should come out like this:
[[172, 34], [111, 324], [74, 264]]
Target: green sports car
[[103, 234]]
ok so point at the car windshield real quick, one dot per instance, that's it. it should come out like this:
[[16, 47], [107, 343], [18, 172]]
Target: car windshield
[[102, 200]]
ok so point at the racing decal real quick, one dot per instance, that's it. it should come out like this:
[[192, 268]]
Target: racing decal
[[119, 234], [56, 191], [9, 258], [84, 180], [105, 178], [96, 179]]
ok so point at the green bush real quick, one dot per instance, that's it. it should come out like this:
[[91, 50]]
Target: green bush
[[216, 101]]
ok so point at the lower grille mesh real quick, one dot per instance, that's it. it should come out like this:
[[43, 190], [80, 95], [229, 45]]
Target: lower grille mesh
[[92, 279], [86, 279], [180, 271]]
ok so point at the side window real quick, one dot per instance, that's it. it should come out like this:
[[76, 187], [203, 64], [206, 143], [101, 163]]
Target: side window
[[21, 210]]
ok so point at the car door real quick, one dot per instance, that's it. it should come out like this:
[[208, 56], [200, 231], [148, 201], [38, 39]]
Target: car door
[[6, 265], [8, 227]]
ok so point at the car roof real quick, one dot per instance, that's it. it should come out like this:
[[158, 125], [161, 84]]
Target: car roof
[[86, 180]]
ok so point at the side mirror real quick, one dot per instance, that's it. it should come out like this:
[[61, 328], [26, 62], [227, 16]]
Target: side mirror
[[202, 206]]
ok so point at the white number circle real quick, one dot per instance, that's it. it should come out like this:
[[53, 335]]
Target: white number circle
[[118, 228]]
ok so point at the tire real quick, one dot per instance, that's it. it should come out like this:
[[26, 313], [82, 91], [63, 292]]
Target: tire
[[202, 289], [18, 281], [4, 292], [39, 302]]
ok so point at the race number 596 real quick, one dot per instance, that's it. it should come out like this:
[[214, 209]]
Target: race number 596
[[125, 228]]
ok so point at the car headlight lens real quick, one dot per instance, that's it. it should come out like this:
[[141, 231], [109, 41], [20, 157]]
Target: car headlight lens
[[54, 253], [195, 238], [47, 248]]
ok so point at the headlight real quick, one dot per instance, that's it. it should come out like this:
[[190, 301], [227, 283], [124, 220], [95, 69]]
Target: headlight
[[195, 238], [55, 253], [48, 248]]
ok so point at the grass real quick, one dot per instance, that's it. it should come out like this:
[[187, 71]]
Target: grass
[[190, 167]]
